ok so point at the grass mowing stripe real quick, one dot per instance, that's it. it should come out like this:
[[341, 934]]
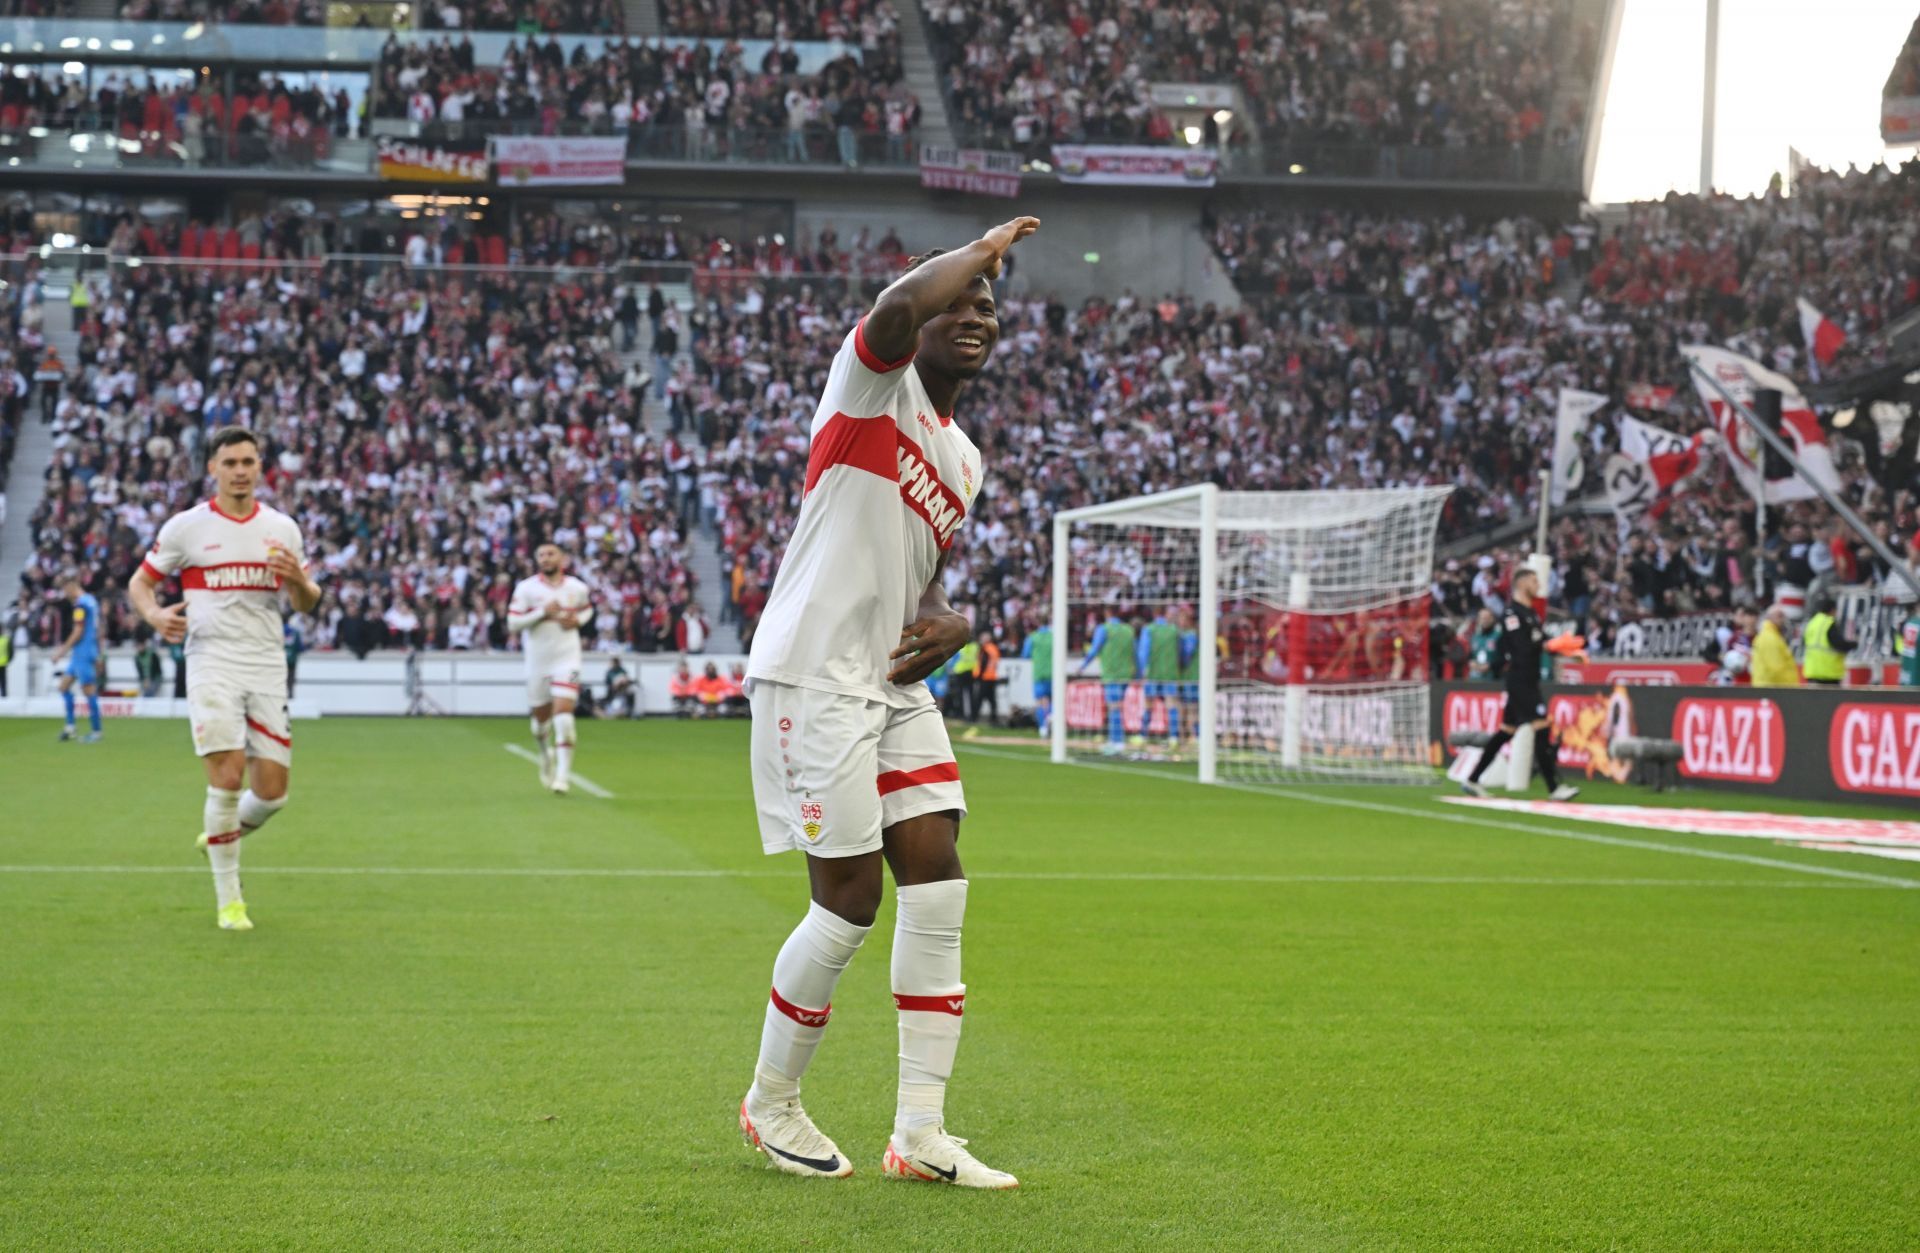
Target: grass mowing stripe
[[1561, 833], [580, 781], [643, 872]]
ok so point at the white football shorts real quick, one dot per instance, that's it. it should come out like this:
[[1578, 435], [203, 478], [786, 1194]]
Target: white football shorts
[[546, 684], [830, 771], [232, 709]]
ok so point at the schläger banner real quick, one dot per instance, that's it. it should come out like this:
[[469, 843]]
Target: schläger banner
[[1136, 167], [406, 160], [972, 170], [559, 160]]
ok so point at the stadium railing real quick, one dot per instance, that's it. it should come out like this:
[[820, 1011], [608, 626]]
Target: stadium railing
[[1407, 162], [41, 147]]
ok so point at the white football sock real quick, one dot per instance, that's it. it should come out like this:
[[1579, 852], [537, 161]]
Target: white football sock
[[541, 736], [930, 997], [222, 824], [255, 813], [562, 747], [804, 975]]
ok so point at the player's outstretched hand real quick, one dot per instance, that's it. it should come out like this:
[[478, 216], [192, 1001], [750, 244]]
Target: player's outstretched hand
[[172, 622], [1005, 236], [925, 647]]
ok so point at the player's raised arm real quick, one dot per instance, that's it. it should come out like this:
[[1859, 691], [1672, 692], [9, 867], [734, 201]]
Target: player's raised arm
[[892, 329]]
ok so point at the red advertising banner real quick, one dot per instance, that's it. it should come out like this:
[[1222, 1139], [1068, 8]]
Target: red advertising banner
[[1810, 742], [1738, 740], [1876, 748], [1138, 167], [1656, 673], [972, 170]]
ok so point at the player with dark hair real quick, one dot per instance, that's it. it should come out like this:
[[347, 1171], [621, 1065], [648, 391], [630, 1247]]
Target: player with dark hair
[[851, 762], [234, 557], [1516, 659]]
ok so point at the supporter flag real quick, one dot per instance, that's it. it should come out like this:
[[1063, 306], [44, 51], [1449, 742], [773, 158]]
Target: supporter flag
[[1822, 334], [1652, 467], [1569, 424], [1649, 396], [1742, 377]]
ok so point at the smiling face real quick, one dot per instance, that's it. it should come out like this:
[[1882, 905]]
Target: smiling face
[[958, 341]]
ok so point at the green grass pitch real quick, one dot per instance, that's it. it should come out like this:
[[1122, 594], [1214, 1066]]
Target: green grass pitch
[[474, 1015]]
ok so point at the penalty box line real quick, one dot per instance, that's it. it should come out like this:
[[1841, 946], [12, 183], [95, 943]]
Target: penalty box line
[[580, 781], [1041, 876], [1435, 815]]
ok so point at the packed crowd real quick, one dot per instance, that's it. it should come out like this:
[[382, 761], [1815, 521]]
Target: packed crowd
[[696, 100], [267, 120], [868, 23], [1407, 72], [425, 433], [584, 17]]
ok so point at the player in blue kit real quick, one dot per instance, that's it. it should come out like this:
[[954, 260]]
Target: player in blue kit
[[81, 652]]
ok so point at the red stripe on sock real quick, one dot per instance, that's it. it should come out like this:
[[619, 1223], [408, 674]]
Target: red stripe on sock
[[805, 1017], [954, 1005], [896, 780], [281, 740], [226, 837]]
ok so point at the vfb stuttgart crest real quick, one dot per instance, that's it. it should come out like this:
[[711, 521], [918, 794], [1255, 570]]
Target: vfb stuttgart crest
[[810, 816]]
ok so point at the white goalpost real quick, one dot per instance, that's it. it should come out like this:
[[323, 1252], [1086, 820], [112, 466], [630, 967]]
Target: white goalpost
[[1258, 637]]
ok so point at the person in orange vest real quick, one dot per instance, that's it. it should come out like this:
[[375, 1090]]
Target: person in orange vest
[[710, 690], [680, 687], [986, 692]]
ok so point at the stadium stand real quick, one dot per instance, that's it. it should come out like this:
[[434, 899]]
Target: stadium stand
[[599, 17], [1022, 73], [421, 429], [687, 101]]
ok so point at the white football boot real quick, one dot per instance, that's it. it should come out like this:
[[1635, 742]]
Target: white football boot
[[791, 1142], [936, 1157]]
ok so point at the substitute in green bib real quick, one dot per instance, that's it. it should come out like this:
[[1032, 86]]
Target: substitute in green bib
[[1113, 648], [1038, 649], [1158, 658]]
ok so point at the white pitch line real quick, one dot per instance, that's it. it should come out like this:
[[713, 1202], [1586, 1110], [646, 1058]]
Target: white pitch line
[[644, 872], [1433, 815], [580, 781]]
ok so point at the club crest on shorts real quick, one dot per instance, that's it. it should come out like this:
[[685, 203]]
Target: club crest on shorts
[[810, 818]]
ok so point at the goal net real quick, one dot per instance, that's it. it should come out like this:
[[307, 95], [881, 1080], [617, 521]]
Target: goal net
[[1255, 637]]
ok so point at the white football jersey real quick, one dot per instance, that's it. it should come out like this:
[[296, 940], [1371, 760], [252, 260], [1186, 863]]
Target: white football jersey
[[549, 646], [889, 481], [233, 599]]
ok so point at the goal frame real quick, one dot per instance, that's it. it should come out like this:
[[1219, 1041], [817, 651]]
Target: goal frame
[[1208, 627]]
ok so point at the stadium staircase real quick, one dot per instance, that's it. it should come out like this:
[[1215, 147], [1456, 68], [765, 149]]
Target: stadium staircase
[[704, 558], [643, 18], [32, 451], [922, 75]]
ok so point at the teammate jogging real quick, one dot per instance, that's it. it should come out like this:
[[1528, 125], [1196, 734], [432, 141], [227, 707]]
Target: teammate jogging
[[1517, 657], [549, 609], [851, 762], [81, 653], [234, 556]]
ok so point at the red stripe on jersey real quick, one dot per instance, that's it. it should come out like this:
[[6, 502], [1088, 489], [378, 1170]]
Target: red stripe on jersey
[[281, 740], [245, 576], [805, 1017], [866, 355], [896, 780], [861, 443], [955, 1005], [153, 571], [922, 491]]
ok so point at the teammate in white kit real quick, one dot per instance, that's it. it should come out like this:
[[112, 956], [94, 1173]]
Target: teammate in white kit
[[234, 556], [549, 609], [851, 763]]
